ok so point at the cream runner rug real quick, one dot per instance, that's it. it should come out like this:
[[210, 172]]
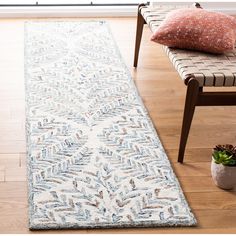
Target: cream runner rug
[[94, 158]]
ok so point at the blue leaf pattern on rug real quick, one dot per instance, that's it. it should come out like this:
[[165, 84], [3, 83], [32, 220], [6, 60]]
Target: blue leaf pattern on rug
[[94, 158]]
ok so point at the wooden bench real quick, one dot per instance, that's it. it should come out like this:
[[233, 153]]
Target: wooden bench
[[198, 70]]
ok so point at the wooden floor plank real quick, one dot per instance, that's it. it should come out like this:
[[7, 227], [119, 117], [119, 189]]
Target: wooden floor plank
[[15, 174], [191, 154], [199, 184], [2, 175], [22, 160], [13, 190], [192, 169], [171, 133], [12, 146], [10, 160], [225, 200]]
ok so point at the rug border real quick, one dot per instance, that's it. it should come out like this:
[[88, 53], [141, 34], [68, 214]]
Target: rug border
[[151, 223]]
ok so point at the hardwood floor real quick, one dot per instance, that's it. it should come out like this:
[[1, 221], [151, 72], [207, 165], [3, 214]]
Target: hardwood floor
[[163, 93]]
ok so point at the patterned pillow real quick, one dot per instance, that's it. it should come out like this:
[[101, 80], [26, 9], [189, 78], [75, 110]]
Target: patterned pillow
[[197, 29]]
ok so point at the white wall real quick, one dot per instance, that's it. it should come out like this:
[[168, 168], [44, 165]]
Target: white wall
[[226, 7]]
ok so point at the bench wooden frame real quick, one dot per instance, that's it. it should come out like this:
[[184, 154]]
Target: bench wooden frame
[[195, 96]]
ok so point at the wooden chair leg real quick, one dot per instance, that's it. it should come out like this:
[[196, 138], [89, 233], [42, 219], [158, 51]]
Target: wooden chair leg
[[139, 32], [190, 103]]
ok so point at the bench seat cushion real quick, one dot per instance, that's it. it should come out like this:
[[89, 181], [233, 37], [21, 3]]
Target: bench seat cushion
[[208, 69]]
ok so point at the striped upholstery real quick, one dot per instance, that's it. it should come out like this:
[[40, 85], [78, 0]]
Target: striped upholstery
[[208, 69]]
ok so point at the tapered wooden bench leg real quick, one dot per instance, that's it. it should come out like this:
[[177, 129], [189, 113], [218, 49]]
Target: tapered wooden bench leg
[[139, 32], [190, 103]]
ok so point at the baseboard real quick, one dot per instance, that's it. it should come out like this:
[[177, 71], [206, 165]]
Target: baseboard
[[86, 11]]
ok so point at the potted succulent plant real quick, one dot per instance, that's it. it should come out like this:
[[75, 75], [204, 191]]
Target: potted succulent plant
[[223, 166]]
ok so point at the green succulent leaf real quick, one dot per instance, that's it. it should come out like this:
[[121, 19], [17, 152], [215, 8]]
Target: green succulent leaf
[[224, 157]]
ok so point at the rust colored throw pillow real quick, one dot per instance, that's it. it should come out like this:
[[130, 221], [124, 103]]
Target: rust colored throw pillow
[[197, 29]]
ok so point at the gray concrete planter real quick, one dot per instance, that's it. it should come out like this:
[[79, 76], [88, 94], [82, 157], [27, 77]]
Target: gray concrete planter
[[223, 176]]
